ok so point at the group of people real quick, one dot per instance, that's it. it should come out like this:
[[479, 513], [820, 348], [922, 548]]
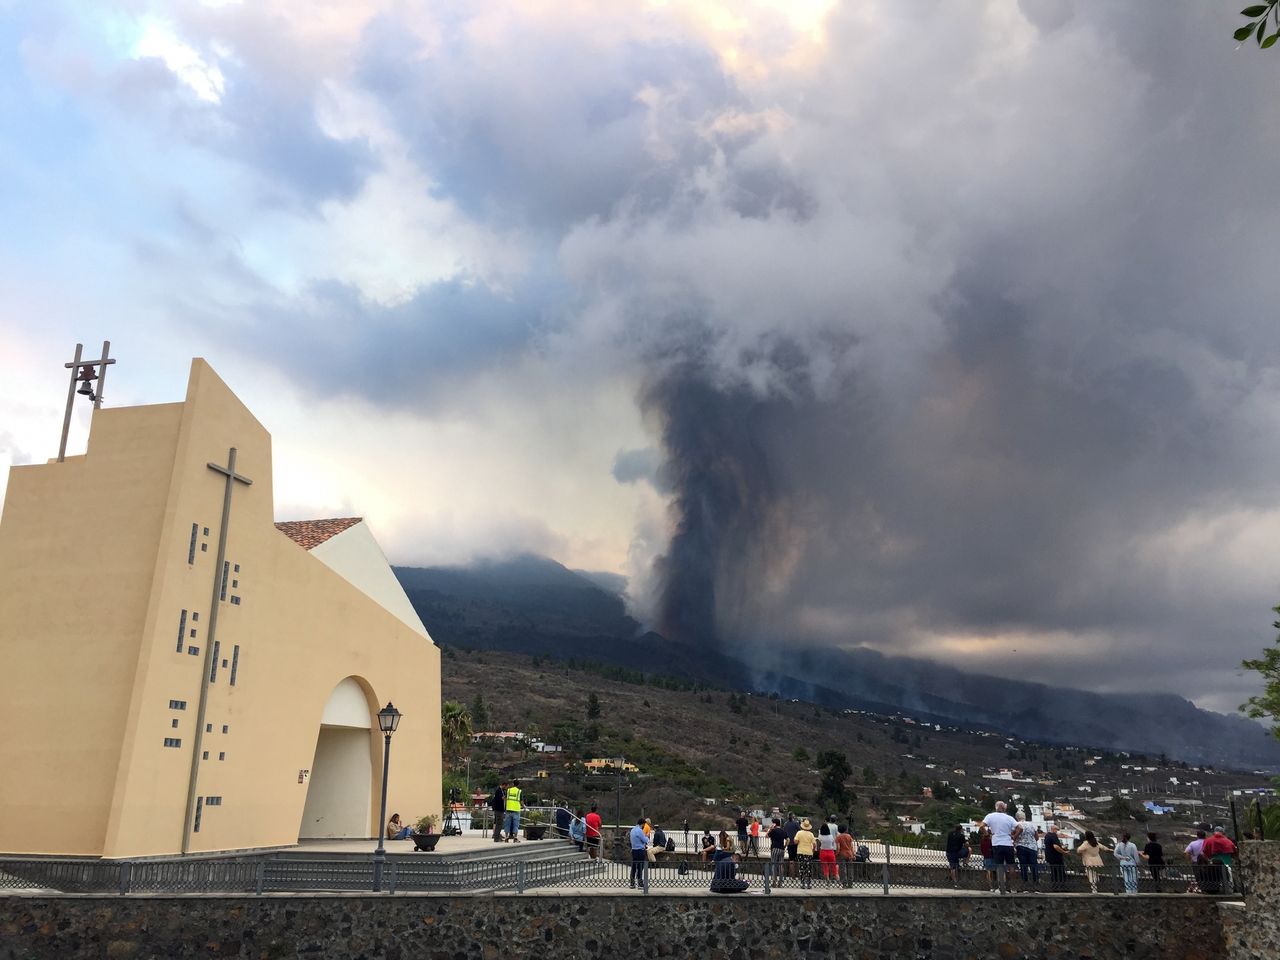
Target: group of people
[[648, 842], [507, 803], [1006, 841]]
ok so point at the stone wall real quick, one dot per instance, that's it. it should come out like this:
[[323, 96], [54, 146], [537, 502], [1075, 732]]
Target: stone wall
[[617, 927], [1252, 931]]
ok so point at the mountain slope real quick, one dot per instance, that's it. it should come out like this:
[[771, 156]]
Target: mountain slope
[[533, 605]]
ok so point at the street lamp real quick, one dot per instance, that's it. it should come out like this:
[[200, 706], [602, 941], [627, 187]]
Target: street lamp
[[388, 720]]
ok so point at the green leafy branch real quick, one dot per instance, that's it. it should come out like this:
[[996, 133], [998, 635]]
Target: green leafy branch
[[1266, 705], [1258, 15]]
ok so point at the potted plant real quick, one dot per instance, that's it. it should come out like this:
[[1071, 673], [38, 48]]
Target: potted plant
[[535, 828], [424, 832]]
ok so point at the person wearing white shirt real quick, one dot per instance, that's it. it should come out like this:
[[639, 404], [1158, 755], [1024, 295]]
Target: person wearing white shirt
[[1126, 851], [1002, 827]]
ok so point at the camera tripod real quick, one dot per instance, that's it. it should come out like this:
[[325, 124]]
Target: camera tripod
[[452, 826]]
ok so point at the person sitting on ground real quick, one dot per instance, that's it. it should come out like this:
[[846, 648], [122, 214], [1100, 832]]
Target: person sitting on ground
[[397, 830], [726, 862], [708, 846]]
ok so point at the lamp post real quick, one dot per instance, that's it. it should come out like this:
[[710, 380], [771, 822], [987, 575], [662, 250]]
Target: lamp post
[[388, 720]]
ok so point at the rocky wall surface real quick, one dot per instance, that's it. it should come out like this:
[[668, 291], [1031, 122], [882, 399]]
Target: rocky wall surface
[[1251, 931], [617, 927]]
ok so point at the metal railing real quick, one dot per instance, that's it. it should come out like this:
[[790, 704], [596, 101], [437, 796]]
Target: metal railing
[[410, 873]]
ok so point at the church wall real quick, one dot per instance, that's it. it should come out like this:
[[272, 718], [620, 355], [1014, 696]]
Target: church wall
[[297, 630], [99, 575], [77, 548]]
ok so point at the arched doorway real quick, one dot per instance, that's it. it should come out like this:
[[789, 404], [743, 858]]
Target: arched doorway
[[340, 790]]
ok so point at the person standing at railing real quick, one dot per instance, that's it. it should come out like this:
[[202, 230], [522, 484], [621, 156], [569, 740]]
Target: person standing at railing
[[1192, 852], [1028, 850], [578, 830], [639, 846], [791, 828], [988, 856], [1220, 851], [498, 804], [1090, 851], [777, 850], [844, 855], [753, 847], [1127, 853], [957, 845], [827, 853], [1055, 857], [512, 822], [806, 842], [1153, 853], [1002, 827], [592, 820]]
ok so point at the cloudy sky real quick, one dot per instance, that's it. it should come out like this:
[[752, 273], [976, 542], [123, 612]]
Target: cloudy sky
[[944, 328]]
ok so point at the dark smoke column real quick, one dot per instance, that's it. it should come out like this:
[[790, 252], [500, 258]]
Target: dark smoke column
[[724, 501]]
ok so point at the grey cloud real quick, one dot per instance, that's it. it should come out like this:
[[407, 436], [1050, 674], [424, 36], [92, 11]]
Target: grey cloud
[[950, 350], [631, 466], [553, 126], [407, 355], [1094, 372]]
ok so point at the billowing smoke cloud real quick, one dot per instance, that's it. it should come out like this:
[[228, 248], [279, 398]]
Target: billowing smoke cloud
[[953, 329]]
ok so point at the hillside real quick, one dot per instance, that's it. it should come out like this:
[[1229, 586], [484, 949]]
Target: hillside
[[535, 606], [696, 745]]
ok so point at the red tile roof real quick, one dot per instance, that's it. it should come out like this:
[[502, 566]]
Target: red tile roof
[[309, 534]]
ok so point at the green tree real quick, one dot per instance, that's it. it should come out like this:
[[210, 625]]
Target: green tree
[[1266, 705], [801, 755], [455, 729], [835, 770], [1258, 15], [593, 707], [479, 712]]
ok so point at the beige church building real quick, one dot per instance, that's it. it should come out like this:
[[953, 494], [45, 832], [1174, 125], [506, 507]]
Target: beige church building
[[156, 699]]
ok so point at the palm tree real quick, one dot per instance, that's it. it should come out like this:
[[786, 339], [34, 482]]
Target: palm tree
[[455, 729]]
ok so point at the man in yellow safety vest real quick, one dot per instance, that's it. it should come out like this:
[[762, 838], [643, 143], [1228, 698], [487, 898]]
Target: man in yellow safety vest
[[511, 825]]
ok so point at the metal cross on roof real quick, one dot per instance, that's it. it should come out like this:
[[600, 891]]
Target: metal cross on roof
[[76, 366]]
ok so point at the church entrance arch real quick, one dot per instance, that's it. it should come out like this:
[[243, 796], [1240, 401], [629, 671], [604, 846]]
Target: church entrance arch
[[340, 791]]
